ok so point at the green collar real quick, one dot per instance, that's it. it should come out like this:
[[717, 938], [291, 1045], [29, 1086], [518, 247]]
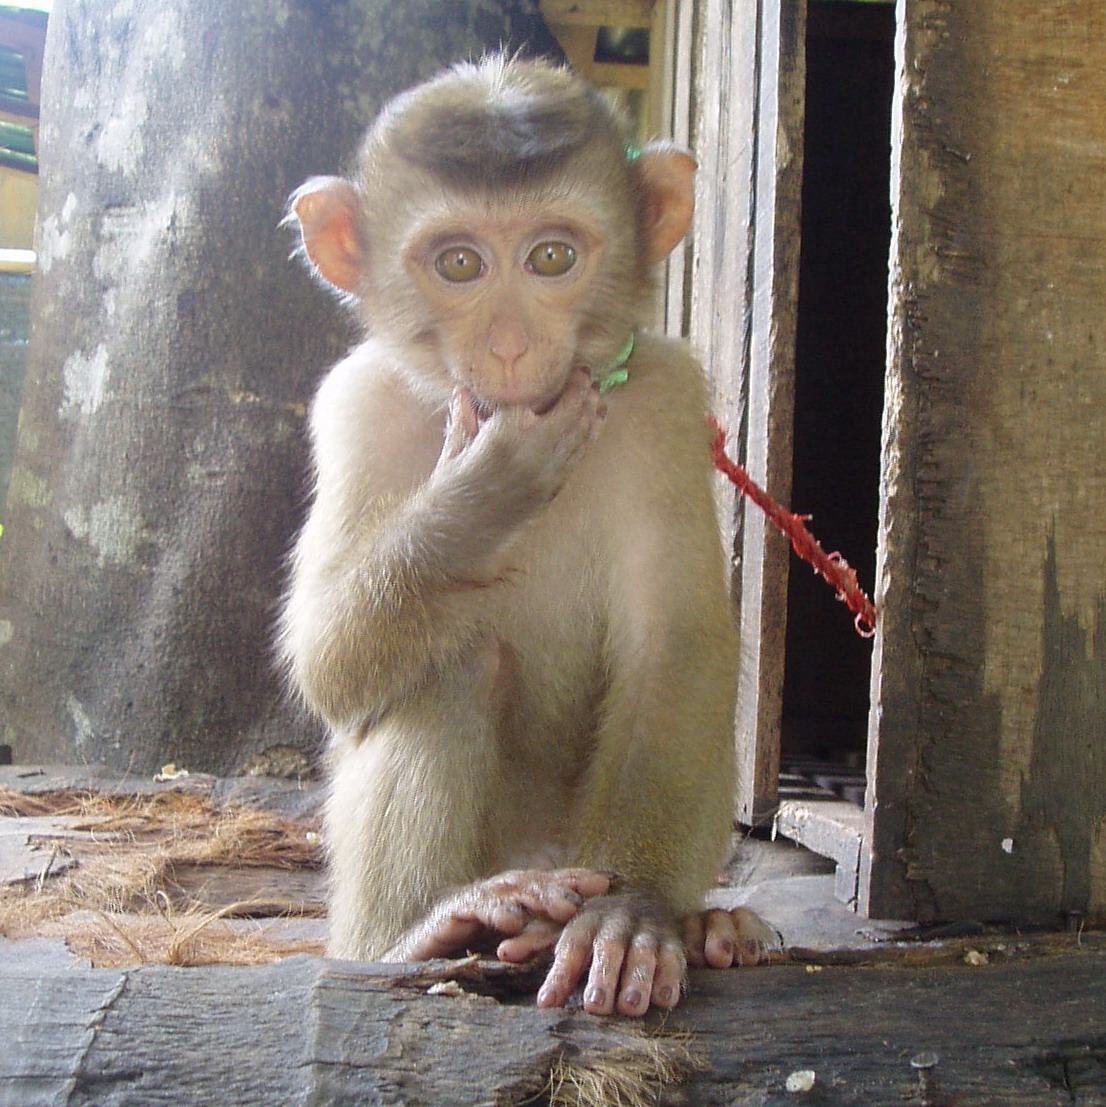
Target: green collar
[[616, 372]]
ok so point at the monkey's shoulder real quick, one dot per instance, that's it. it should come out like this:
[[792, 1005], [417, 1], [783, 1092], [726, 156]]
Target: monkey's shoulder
[[366, 408], [370, 384], [665, 390]]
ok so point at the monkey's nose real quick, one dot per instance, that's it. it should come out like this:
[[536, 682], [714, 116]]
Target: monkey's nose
[[507, 342]]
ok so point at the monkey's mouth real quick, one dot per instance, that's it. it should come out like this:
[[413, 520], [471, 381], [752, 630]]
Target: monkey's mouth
[[485, 409], [540, 398]]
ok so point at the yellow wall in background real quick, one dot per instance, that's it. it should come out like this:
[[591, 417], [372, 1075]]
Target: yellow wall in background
[[18, 198]]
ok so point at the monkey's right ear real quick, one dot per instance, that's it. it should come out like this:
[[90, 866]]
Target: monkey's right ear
[[326, 210]]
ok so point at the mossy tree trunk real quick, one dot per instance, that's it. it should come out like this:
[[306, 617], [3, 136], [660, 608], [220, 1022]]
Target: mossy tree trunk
[[160, 469]]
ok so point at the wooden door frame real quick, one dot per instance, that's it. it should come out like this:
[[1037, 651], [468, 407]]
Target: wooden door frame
[[747, 131]]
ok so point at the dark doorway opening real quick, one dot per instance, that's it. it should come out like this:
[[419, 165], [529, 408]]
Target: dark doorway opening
[[839, 366]]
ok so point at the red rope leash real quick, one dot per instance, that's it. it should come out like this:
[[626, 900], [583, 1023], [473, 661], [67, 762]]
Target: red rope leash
[[833, 568]]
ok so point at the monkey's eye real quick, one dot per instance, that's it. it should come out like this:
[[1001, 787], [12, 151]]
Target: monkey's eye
[[551, 259], [459, 263]]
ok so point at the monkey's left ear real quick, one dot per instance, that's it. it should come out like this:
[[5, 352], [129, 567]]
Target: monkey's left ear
[[668, 176]]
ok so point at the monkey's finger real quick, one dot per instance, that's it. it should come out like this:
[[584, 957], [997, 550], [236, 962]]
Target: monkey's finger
[[462, 424], [637, 978], [573, 952], [586, 882], [737, 937], [442, 934], [538, 936], [556, 893], [720, 938], [607, 958], [668, 979], [459, 921], [694, 932], [559, 894], [754, 936]]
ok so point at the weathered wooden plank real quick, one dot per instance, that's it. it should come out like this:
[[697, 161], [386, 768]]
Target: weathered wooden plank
[[748, 137], [990, 685], [1005, 1034], [831, 828], [764, 559], [310, 1031]]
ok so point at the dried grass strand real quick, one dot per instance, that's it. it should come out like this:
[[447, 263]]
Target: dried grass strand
[[631, 1075]]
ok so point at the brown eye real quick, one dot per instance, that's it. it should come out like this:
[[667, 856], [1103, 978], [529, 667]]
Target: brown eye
[[459, 263], [551, 259]]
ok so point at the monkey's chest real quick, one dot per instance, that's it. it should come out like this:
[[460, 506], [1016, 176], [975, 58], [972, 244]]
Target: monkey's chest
[[548, 618]]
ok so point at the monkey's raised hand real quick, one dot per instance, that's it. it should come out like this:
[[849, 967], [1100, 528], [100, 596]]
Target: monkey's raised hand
[[524, 457], [509, 903]]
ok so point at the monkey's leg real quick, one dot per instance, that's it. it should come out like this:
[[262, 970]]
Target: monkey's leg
[[410, 812], [408, 839], [656, 808], [415, 823]]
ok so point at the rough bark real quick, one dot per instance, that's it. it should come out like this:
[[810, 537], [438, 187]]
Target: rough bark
[[990, 665], [160, 469], [306, 1031]]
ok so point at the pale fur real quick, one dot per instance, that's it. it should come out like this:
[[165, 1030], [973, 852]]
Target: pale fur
[[525, 652]]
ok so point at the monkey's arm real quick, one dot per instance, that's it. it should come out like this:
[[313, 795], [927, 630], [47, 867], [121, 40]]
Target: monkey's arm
[[387, 569]]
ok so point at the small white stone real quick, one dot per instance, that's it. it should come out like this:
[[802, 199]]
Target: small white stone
[[801, 1081]]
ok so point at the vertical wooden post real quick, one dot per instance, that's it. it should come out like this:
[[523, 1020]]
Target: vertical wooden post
[[749, 140], [987, 763]]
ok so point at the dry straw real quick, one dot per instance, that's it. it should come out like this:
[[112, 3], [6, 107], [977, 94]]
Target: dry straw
[[117, 894]]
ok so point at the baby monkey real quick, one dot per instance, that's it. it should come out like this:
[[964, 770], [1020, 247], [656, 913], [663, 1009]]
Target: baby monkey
[[509, 598]]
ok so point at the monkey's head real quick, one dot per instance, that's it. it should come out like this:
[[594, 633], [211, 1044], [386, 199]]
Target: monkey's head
[[498, 232]]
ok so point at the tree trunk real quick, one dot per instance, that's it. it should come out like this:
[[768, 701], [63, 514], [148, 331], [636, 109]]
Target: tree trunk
[[160, 469]]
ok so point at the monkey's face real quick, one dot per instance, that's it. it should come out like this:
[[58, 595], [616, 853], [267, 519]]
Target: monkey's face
[[507, 291]]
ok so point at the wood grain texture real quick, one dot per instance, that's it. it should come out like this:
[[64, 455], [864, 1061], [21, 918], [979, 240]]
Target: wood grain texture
[[743, 301], [990, 668], [764, 558], [307, 1031]]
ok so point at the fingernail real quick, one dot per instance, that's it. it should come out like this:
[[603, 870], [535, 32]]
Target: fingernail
[[597, 997], [631, 997], [727, 947], [574, 897], [667, 996]]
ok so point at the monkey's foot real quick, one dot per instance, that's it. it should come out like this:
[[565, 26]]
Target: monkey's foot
[[633, 957], [719, 939]]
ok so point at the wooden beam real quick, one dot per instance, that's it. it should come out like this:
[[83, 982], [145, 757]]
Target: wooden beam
[[1021, 1032], [763, 558], [748, 139], [989, 682]]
